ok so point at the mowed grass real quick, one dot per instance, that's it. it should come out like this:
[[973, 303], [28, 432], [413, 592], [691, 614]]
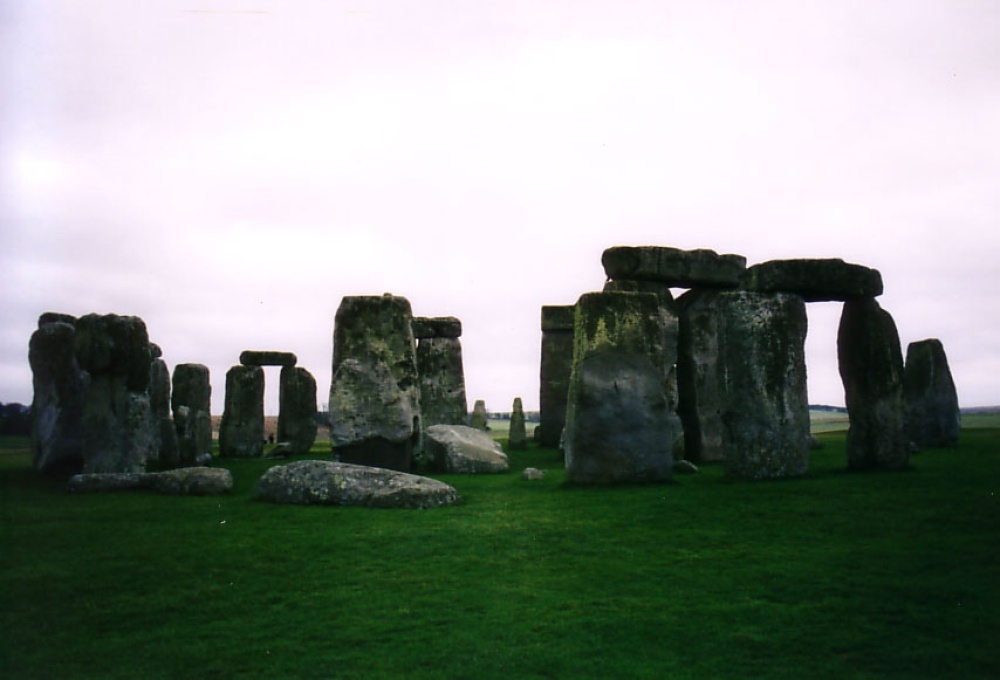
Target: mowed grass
[[835, 575]]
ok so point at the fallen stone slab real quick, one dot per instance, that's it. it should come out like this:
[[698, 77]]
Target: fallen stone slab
[[824, 280], [459, 449], [252, 357], [317, 482], [673, 266], [189, 481]]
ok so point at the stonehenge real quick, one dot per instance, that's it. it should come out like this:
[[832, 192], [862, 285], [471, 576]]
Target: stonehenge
[[191, 404], [442, 374], [555, 368], [932, 415]]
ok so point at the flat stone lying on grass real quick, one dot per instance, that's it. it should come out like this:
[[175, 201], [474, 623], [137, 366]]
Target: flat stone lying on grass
[[459, 449], [189, 481], [317, 482], [532, 474]]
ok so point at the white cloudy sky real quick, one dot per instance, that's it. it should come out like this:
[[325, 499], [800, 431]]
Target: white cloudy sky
[[230, 169]]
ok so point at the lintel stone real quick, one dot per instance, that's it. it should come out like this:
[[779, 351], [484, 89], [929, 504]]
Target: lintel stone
[[267, 358]]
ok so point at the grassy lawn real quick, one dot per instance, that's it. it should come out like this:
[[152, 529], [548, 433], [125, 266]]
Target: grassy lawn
[[834, 575]]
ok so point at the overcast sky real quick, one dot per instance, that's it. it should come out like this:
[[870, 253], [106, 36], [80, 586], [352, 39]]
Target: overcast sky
[[229, 170]]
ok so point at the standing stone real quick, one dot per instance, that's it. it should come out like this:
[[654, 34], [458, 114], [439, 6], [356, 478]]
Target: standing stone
[[375, 391], [57, 405], [698, 375], [241, 432], [479, 419], [932, 413], [159, 402], [871, 366], [119, 434], [518, 437], [442, 375], [765, 405], [191, 403], [620, 422], [297, 409], [556, 367]]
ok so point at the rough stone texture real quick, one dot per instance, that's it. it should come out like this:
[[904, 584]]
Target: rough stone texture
[[620, 420], [436, 327], [375, 391], [532, 474], [765, 405], [297, 409], [167, 451], [479, 419], [327, 483], [189, 481], [517, 438], [442, 381], [119, 433], [626, 286], [815, 280], [555, 370], [57, 405], [191, 402], [672, 266], [462, 450], [698, 375], [252, 357], [871, 366], [241, 431], [932, 413]]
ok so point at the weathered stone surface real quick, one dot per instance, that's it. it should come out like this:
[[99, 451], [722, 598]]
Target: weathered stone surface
[[871, 366], [55, 317], [672, 266], [328, 483], [189, 481], [517, 437], [626, 286], [191, 403], [815, 280], [241, 431], [765, 405], [57, 405], [436, 327], [442, 381], [462, 450], [932, 413], [556, 367], [620, 422], [532, 474], [297, 409], [252, 357], [375, 391], [167, 451], [699, 380], [479, 419]]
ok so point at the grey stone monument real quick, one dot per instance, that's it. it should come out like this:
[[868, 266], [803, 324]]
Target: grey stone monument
[[241, 432]]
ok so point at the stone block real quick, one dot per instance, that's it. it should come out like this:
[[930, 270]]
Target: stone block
[[674, 267]]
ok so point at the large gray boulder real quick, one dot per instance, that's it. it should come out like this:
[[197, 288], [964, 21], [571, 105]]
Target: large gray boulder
[[191, 403], [462, 450], [375, 390], [871, 367], [442, 373], [932, 413], [57, 405], [252, 357], [555, 370], [620, 419], [329, 483], [699, 376], [297, 409], [765, 405], [188, 481], [672, 266], [517, 437], [167, 451], [241, 430], [815, 280]]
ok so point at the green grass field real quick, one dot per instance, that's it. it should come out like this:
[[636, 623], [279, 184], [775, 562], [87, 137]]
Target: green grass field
[[835, 575]]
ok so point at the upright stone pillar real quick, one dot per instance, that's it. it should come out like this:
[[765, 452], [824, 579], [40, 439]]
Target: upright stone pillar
[[479, 418], [167, 452], [375, 393], [765, 405], [57, 405], [241, 432], [297, 409], [620, 422], [442, 374], [556, 367], [699, 377], [932, 414], [191, 403], [517, 438], [871, 366]]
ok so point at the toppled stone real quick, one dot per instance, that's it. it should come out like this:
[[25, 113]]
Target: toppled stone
[[698, 375], [267, 358], [280, 450], [57, 405], [871, 366], [188, 481], [932, 413], [436, 327], [442, 380], [297, 409], [462, 450], [191, 404], [517, 438], [685, 467], [674, 267], [241, 430], [479, 419], [821, 280], [330, 483], [555, 370], [532, 474]]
